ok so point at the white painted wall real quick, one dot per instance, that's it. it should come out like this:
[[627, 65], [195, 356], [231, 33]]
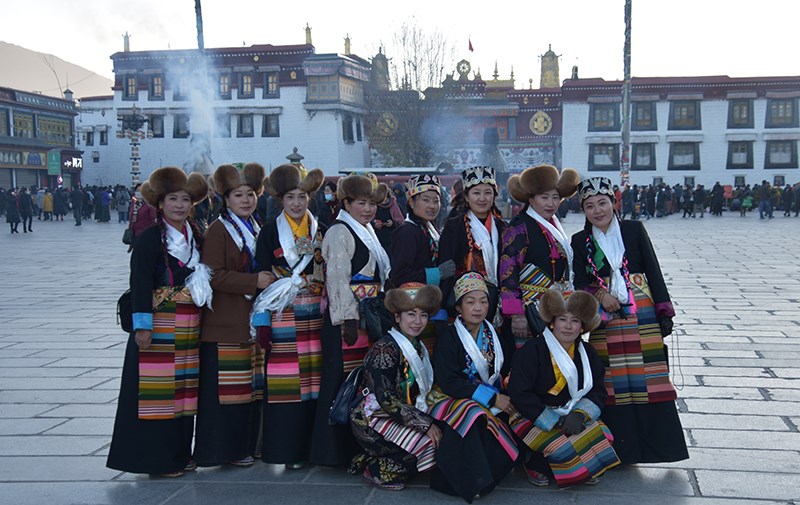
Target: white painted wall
[[713, 148], [318, 136]]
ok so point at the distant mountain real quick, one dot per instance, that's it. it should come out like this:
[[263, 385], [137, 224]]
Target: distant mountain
[[32, 71]]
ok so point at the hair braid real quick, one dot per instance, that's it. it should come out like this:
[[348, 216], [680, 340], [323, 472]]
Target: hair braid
[[247, 255], [422, 223]]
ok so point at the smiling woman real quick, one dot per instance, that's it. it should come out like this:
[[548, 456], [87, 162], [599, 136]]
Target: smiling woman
[[158, 394], [231, 365], [615, 262], [536, 254], [357, 268]]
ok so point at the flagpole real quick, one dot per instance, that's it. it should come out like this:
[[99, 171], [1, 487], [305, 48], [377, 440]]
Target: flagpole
[[625, 166]]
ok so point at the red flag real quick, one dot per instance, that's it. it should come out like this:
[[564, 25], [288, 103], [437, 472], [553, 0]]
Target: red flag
[[470, 46]]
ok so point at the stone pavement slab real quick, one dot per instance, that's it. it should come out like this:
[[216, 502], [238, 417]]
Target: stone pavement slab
[[735, 349]]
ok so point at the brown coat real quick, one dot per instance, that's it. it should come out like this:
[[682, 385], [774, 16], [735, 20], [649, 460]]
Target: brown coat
[[229, 322]]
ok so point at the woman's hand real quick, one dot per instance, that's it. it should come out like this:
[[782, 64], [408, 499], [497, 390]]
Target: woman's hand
[[503, 402], [519, 326], [143, 338], [610, 303], [435, 434], [265, 279]]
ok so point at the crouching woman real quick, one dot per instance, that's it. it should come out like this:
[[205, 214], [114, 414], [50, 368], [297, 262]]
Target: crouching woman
[[557, 387], [391, 423]]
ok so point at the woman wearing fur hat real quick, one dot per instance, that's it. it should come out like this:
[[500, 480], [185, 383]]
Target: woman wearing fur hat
[[536, 253], [615, 261], [472, 238], [231, 364], [391, 423], [153, 429], [356, 267], [287, 316], [417, 245], [470, 398], [557, 387]]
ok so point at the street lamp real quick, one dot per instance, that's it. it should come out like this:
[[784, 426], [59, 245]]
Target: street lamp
[[131, 127]]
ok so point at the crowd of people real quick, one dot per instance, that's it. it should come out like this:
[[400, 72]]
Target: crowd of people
[[255, 297], [22, 204]]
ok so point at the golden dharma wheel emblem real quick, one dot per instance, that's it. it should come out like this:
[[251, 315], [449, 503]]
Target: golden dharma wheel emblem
[[540, 123], [293, 75], [255, 58]]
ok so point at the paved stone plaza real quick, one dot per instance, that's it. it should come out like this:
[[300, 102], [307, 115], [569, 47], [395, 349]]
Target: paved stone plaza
[[735, 283]]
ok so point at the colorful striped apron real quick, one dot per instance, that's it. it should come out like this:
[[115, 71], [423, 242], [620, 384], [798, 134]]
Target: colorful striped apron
[[169, 368]]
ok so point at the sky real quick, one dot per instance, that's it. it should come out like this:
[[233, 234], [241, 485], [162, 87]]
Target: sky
[[669, 38]]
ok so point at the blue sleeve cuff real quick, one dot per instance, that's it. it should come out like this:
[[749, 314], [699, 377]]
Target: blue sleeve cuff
[[433, 276], [142, 321], [483, 395], [439, 316], [263, 318], [547, 419], [589, 408]]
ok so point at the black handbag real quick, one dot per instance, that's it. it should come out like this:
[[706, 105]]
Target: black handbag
[[127, 236], [375, 317], [125, 312], [347, 398]]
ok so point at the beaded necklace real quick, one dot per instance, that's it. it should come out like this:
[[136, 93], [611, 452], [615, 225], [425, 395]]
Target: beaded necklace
[[493, 213], [590, 259], [487, 350]]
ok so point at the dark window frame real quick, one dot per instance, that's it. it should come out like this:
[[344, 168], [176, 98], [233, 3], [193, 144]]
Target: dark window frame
[[739, 181], [266, 130], [127, 92], [272, 89], [89, 138], [347, 129], [153, 87], [250, 79], [599, 108], [773, 107], [635, 124], [156, 125], [792, 163], [103, 137], [613, 149], [241, 120], [181, 91], [225, 95], [735, 105], [177, 132], [732, 145], [673, 146], [642, 145], [692, 107]]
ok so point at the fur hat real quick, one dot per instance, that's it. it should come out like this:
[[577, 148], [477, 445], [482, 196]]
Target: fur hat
[[536, 180], [580, 303], [167, 180], [413, 295], [356, 186], [228, 178], [288, 177]]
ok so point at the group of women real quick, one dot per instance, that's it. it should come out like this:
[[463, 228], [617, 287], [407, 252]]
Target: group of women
[[483, 368]]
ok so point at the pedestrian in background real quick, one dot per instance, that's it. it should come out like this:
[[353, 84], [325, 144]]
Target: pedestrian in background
[[26, 210], [12, 210]]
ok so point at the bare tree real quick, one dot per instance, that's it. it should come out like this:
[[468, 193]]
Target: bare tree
[[419, 57], [402, 123]]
